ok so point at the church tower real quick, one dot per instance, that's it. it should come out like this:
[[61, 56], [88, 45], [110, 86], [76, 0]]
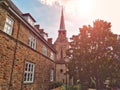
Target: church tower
[[61, 45]]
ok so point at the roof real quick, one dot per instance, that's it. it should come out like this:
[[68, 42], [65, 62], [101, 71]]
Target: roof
[[28, 14], [13, 9], [62, 23], [13, 6]]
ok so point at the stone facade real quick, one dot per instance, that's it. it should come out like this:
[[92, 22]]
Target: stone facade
[[15, 51], [61, 45]]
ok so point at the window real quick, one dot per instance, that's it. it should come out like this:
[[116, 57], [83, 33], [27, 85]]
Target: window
[[51, 75], [44, 50], [45, 36], [8, 25], [30, 21], [32, 42], [29, 72], [52, 56]]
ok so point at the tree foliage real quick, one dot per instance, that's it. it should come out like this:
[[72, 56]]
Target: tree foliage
[[95, 53]]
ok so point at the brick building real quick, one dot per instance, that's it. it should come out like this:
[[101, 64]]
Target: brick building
[[26, 54]]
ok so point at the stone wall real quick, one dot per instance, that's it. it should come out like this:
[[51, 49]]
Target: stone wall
[[61, 73]]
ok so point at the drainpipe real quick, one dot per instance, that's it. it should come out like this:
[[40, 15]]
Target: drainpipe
[[14, 57]]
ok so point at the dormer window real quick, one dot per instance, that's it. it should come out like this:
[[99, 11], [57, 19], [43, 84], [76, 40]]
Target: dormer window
[[29, 19], [43, 34]]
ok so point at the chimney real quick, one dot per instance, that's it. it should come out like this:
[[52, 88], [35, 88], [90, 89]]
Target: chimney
[[41, 30], [50, 40], [37, 26]]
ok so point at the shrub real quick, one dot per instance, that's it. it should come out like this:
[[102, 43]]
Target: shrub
[[55, 85]]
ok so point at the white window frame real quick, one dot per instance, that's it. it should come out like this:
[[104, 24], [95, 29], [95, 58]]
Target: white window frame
[[44, 50], [32, 42], [51, 75], [52, 55], [45, 36], [30, 21], [8, 28], [29, 72]]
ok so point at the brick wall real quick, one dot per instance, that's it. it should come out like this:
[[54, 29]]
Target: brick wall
[[6, 59], [14, 51], [2, 17]]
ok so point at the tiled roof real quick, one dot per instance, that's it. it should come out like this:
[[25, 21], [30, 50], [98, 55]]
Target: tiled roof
[[13, 6], [28, 14]]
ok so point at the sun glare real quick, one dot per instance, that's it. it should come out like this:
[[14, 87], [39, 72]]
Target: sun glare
[[78, 6], [83, 7]]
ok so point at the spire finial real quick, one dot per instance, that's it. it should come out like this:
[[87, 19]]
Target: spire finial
[[62, 24]]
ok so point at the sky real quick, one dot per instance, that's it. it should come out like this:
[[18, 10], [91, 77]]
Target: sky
[[76, 14]]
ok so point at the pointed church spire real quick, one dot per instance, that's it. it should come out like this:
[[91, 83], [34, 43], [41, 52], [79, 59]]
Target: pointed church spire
[[62, 24]]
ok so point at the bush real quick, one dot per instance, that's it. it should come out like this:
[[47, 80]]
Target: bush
[[55, 85], [63, 87]]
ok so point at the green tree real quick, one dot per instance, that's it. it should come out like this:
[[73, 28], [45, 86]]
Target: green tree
[[95, 53]]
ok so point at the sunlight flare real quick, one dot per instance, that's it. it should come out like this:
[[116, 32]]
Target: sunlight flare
[[72, 6]]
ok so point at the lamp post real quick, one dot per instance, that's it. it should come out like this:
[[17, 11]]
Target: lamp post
[[66, 66]]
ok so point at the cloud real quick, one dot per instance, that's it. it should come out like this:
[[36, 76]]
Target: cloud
[[54, 2]]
